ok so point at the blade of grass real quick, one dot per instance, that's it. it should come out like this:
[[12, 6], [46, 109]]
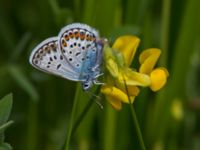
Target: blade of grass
[[21, 46], [71, 123], [165, 30], [135, 11], [88, 13], [106, 13], [85, 111], [176, 87], [77, 7], [164, 43], [109, 132], [107, 17], [17, 74], [135, 120]]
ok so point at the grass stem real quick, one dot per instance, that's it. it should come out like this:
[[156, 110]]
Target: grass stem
[[135, 120], [73, 126], [72, 117]]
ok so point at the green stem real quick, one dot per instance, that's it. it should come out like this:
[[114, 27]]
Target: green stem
[[73, 127], [82, 115], [135, 120], [85, 111], [137, 126], [165, 30], [72, 117]]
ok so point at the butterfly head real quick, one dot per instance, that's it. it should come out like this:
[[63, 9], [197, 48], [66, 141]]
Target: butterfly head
[[86, 85]]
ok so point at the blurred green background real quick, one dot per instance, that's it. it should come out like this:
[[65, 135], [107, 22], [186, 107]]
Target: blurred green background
[[42, 104]]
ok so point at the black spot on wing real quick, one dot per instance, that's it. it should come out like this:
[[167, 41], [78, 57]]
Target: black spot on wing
[[78, 53], [58, 66]]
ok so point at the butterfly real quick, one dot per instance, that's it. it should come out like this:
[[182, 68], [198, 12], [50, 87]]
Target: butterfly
[[75, 54]]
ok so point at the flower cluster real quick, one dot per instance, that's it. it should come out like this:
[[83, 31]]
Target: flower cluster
[[120, 78]]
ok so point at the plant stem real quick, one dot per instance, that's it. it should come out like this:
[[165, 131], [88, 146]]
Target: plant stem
[[72, 117], [82, 115], [165, 30], [85, 111], [135, 120], [137, 126], [72, 128]]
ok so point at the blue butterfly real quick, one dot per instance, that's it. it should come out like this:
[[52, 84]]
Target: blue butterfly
[[75, 54]]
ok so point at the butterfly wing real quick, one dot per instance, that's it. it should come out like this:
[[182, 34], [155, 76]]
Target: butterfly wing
[[48, 58], [77, 43]]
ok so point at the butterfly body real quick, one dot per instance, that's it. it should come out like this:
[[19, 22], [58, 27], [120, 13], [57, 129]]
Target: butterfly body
[[75, 54]]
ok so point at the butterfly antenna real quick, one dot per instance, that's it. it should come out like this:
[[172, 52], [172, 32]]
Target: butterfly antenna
[[98, 103], [97, 98]]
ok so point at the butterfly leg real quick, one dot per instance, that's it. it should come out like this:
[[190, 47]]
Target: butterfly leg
[[98, 82], [96, 68], [98, 75]]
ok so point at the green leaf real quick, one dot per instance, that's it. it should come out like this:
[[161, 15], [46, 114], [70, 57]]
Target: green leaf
[[5, 108], [5, 146]]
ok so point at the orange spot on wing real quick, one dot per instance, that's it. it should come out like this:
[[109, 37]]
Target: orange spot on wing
[[64, 44], [89, 38], [77, 34], [66, 37], [71, 34], [82, 36]]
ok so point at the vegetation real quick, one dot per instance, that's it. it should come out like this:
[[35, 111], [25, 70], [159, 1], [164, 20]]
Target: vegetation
[[42, 104]]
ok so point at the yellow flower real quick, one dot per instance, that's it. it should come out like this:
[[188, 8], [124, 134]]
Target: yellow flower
[[148, 59], [117, 61]]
